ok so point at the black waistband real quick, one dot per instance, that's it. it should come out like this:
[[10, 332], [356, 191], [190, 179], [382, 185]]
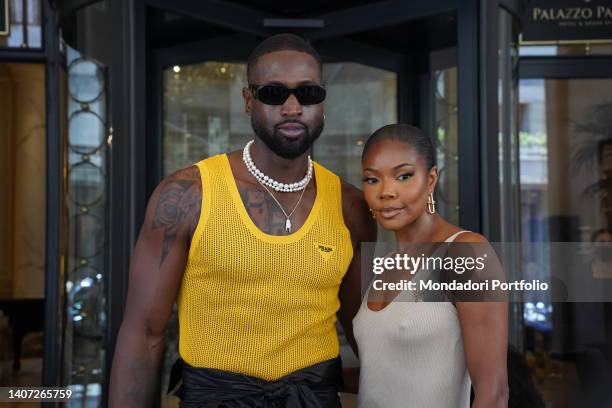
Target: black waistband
[[311, 387]]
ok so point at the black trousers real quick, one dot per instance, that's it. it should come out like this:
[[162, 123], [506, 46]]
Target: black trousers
[[311, 387]]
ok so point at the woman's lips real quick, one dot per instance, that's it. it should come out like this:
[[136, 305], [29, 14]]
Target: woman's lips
[[390, 212]]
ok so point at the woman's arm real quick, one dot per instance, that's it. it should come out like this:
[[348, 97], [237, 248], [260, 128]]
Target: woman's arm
[[485, 339], [484, 326]]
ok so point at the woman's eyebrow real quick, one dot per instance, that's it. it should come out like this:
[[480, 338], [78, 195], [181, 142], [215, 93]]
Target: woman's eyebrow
[[394, 168], [402, 165]]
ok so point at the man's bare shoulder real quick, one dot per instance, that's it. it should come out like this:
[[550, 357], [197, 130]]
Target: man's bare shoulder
[[350, 192], [190, 173], [180, 188], [182, 181], [176, 203], [356, 213]]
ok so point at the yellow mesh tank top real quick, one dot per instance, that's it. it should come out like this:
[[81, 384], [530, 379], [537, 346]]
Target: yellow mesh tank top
[[259, 304]]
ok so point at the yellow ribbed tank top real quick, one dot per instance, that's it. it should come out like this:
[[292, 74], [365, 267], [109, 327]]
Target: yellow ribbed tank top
[[259, 304]]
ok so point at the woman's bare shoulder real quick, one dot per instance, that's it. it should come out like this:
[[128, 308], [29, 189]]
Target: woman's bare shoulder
[[471, 237]]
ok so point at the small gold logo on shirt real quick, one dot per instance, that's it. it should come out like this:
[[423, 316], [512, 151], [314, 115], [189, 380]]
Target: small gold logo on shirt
[[325, 250]]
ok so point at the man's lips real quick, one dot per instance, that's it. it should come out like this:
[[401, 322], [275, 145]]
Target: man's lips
[[390, 212], [291, 129]]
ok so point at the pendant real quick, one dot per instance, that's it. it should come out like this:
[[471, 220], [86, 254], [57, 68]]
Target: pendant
[[288, 225]]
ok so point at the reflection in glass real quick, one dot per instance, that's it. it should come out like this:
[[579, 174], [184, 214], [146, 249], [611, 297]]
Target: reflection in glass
[[28, 35], [565, 172], [508, 130], [351, 116], [565, 158], [87, 232], [86, 159], [446, 143], [86, 299], [508, 169], [86, 132], [585, 48], [203, 112], [86, 184], [85, 80]]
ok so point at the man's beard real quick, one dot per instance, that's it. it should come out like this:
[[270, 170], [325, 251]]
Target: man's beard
[[287, 149]]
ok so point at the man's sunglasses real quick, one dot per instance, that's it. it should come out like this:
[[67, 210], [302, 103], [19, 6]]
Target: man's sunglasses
[[278, 94]]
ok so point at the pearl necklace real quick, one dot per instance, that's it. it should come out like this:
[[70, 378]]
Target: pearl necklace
[[268, 181]]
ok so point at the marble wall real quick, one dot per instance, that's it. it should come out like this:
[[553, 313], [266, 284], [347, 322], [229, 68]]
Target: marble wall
[[22, 180]]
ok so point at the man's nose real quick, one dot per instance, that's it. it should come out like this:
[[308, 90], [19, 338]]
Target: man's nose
[[291, 107]]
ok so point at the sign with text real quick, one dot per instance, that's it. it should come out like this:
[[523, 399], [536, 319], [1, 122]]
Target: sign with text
[[568, 21], [4, 17]]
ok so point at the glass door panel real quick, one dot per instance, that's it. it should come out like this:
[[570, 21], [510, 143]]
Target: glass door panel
[[566, 189], [204, 113], [445, 134], [360, 100], [564, 145]]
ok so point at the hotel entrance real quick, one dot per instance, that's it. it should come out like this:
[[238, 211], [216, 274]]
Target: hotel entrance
[[102, 99], [139, 88]]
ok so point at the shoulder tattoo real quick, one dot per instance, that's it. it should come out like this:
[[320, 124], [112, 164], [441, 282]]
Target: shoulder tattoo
[[178, 206]]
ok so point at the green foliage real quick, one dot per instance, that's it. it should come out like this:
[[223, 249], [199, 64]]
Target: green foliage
[[529, 139]]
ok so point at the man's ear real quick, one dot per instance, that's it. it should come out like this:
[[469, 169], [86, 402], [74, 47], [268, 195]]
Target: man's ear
[[248, 100]]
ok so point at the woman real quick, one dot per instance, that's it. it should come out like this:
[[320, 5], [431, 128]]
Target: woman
[[422, 354]]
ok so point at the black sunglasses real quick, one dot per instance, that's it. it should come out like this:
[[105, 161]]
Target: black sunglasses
[[278, 94]]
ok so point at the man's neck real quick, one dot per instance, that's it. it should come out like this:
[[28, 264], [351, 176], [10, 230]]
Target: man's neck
[[277, 167]]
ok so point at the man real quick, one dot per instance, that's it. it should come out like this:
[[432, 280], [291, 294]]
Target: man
[[260, 248]]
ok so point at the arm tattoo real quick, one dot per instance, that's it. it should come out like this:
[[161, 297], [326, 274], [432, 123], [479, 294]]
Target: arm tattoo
[[179, 201]]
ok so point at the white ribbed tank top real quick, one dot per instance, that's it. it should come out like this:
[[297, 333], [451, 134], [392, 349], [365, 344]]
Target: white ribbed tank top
[[411, 355]]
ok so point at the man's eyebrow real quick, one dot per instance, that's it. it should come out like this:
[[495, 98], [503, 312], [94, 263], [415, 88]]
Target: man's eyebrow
[[304, 82]]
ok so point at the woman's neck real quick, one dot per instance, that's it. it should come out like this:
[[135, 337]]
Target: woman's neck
[[421, 230]]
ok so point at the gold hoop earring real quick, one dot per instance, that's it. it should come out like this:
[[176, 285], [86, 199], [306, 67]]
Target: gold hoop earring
[[431, 204]]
